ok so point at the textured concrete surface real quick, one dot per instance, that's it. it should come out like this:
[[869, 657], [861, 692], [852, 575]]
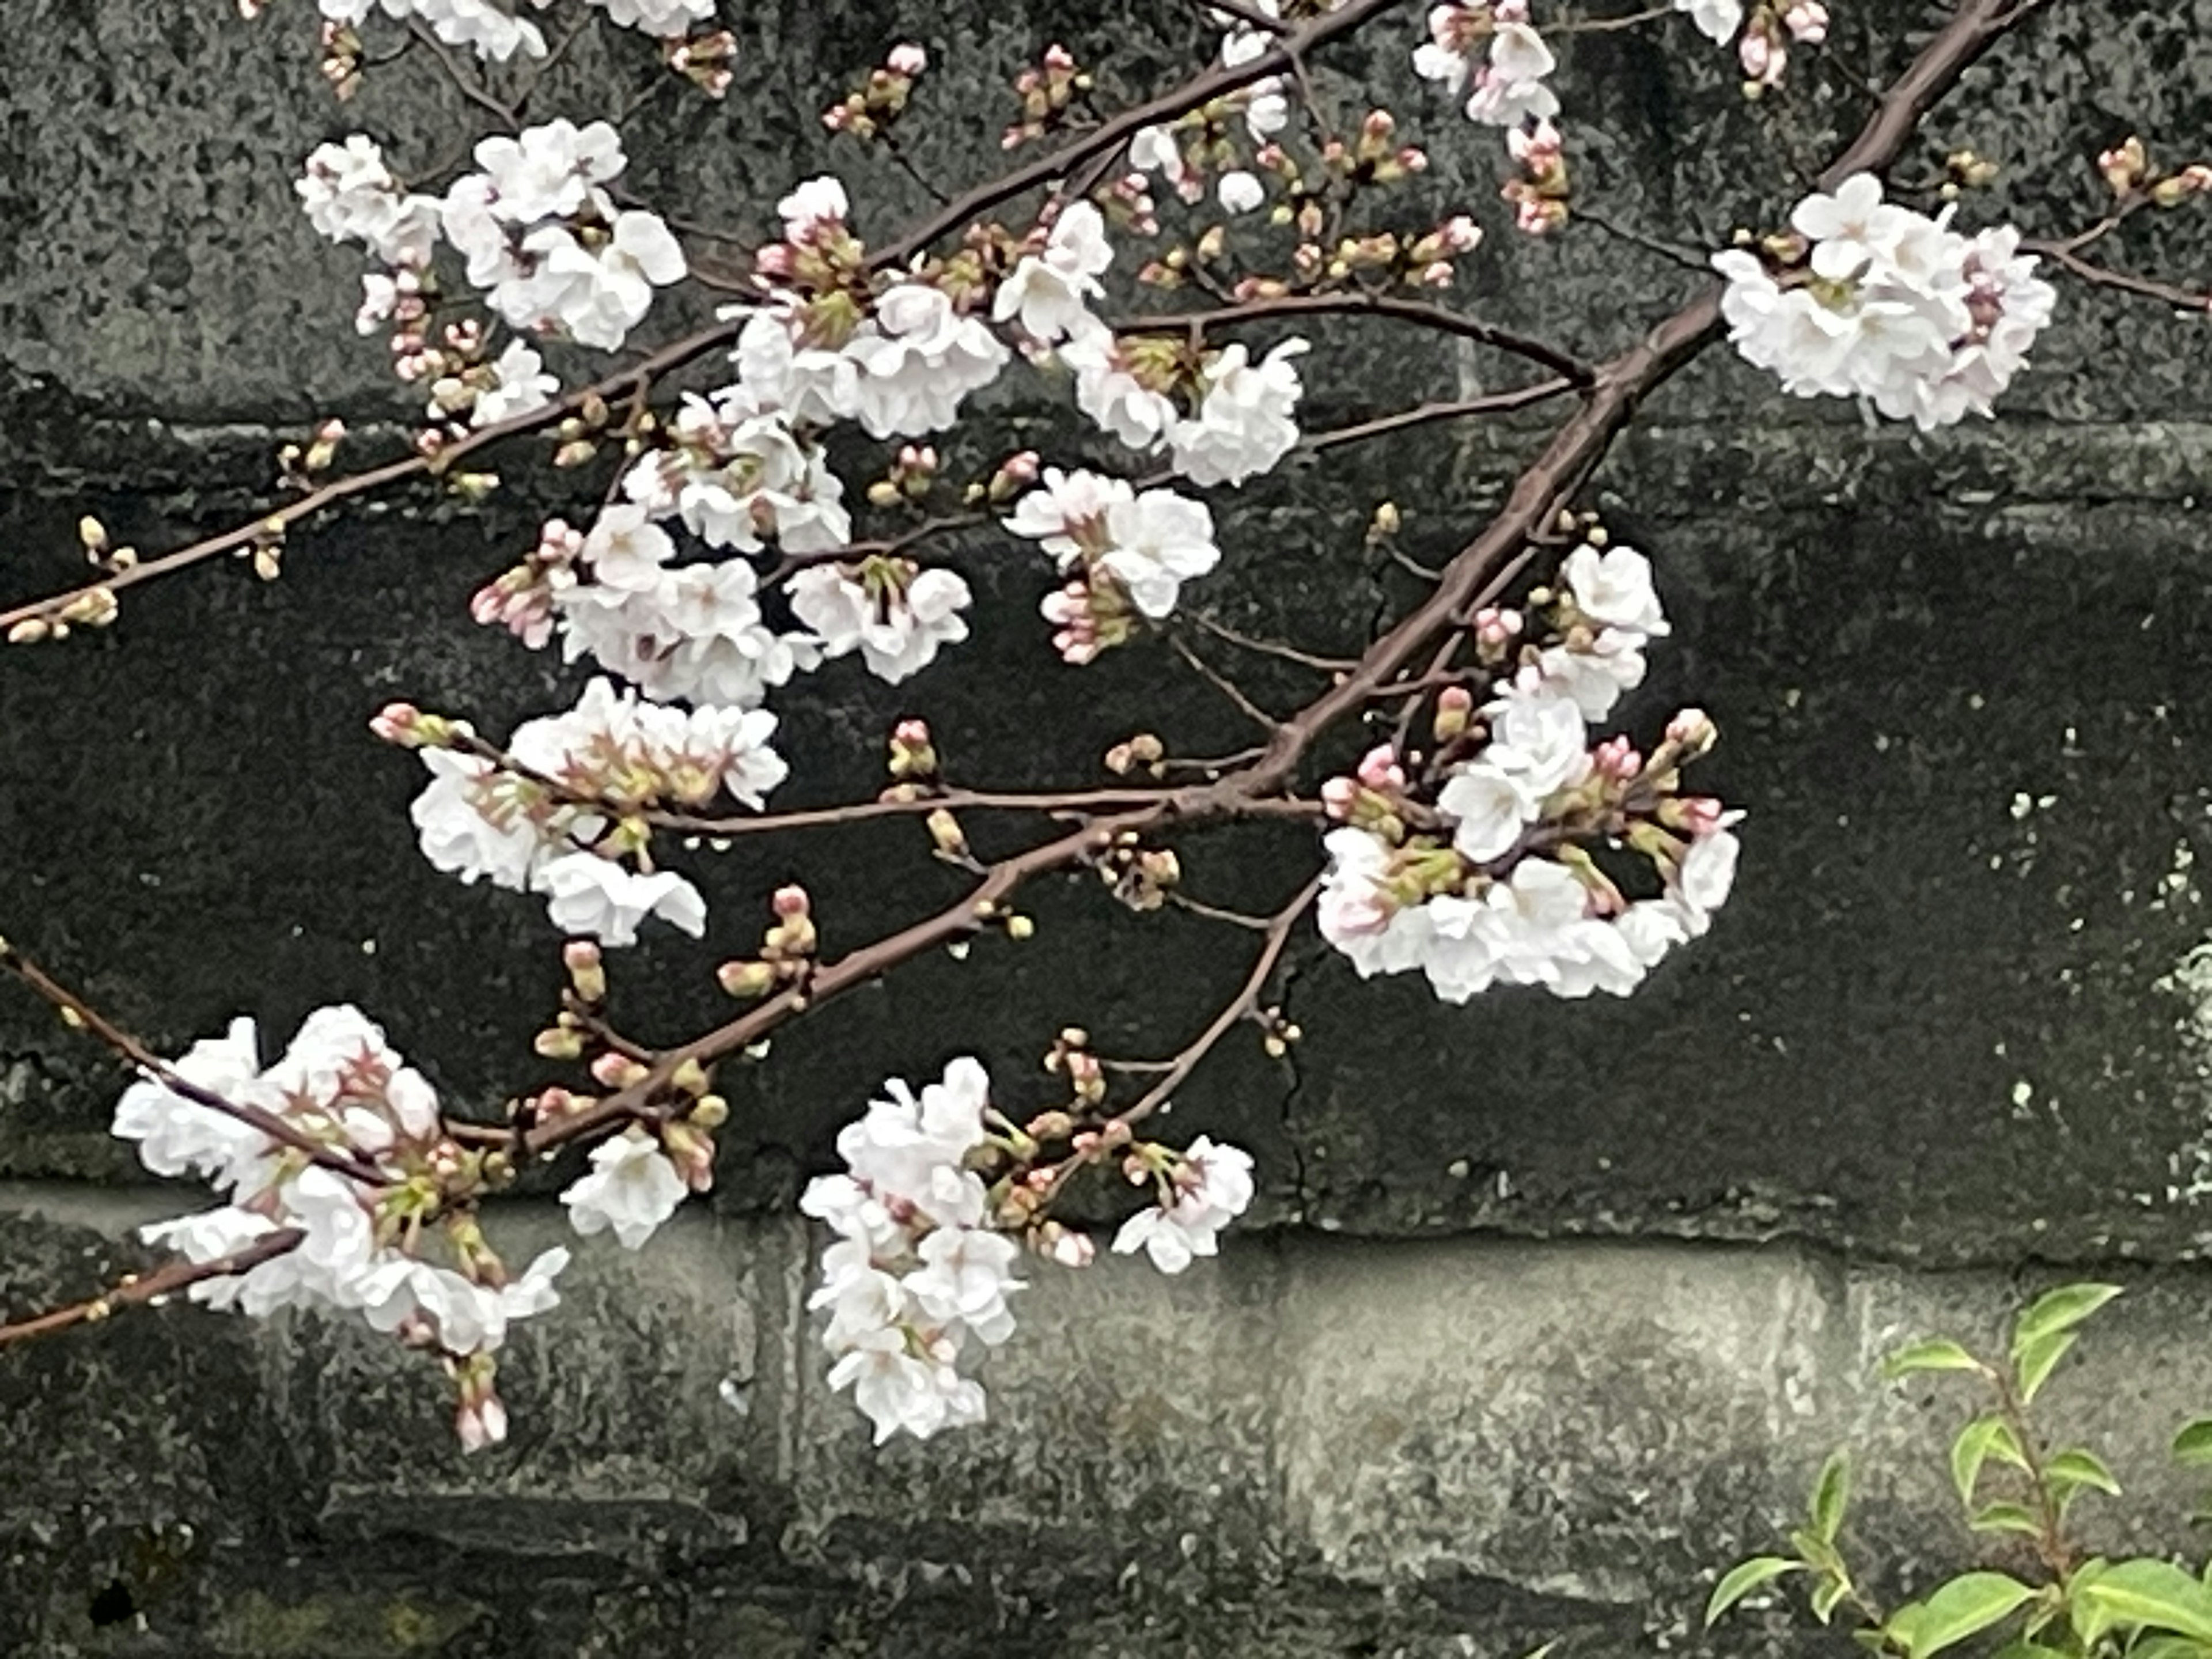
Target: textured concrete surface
[[1506, 1358], [1315, 1447]]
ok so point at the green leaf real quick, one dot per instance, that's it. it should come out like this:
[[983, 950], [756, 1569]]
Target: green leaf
[[1938, 1354], [1743, 1579], [2078, 1466], [2058, 1310], [2006, 1517], [2192, 1446], [2038, 1358], [1979, 1441], [2156, 1594], [2025, 1650], [2169, 1647], [1967, 1605], [1831, 1493], [1828, 1596]]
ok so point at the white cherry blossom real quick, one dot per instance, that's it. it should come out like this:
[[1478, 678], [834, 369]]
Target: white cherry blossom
[[1246, 421], [588, 896], [632, 1189], [1158, 541], [1047, 294], [1212, 1187], [898, 625]]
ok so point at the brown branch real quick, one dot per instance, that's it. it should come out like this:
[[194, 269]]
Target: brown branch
[[1175, 1072], [1110, 135], [1364, 304], [1272, 648], [2122, 282], [79, 1015], [1228, 688], [470, 88], [665, 361], [987, 801], [1605, 25], [1238, 1007], [136, 1289], [1495, 403]]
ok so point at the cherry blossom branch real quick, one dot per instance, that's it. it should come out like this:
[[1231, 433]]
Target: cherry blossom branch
[[79, 1015], [1111, 135], [1227, 687], [471, 88], [1252, 789], [1364, 304], [272, 525], [139, 1290], [1102, 140], [1175, 1072], [1074, 801]]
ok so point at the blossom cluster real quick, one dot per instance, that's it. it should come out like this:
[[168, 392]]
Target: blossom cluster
[[545, 241], [1264, 104], [1200, 1191], [1121, 550], [1894, 307], [1493, 883], [551, 827], [916, 1275], [499, 32], [339, 1086], [921, 1268]]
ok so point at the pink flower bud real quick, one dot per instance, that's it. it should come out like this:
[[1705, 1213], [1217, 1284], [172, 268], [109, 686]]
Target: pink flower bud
[[908, 59], [1691, 727], [1495, 627], [611, 1070], [1074, 1250], [1702, 815], [1616, 757], [1808, 20], [790, 902], [1021, 467], [395, 723], [913, 733], [1378, 769], [1338, 797]]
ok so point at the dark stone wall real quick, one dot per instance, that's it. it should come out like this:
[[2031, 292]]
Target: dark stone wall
[[1625, 1267]]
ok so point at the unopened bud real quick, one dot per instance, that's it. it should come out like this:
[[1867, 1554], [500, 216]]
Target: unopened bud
[[1455, 708], [945, 832], [587, 971], [746, 979]]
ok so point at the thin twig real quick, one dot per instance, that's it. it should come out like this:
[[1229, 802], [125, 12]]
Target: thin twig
[[1183, 900], [1245, 12], [79, 1015], [136, 1289], [1495, 403], [1223, 684], [472, 88], [1272, 648], [1364, 304]]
